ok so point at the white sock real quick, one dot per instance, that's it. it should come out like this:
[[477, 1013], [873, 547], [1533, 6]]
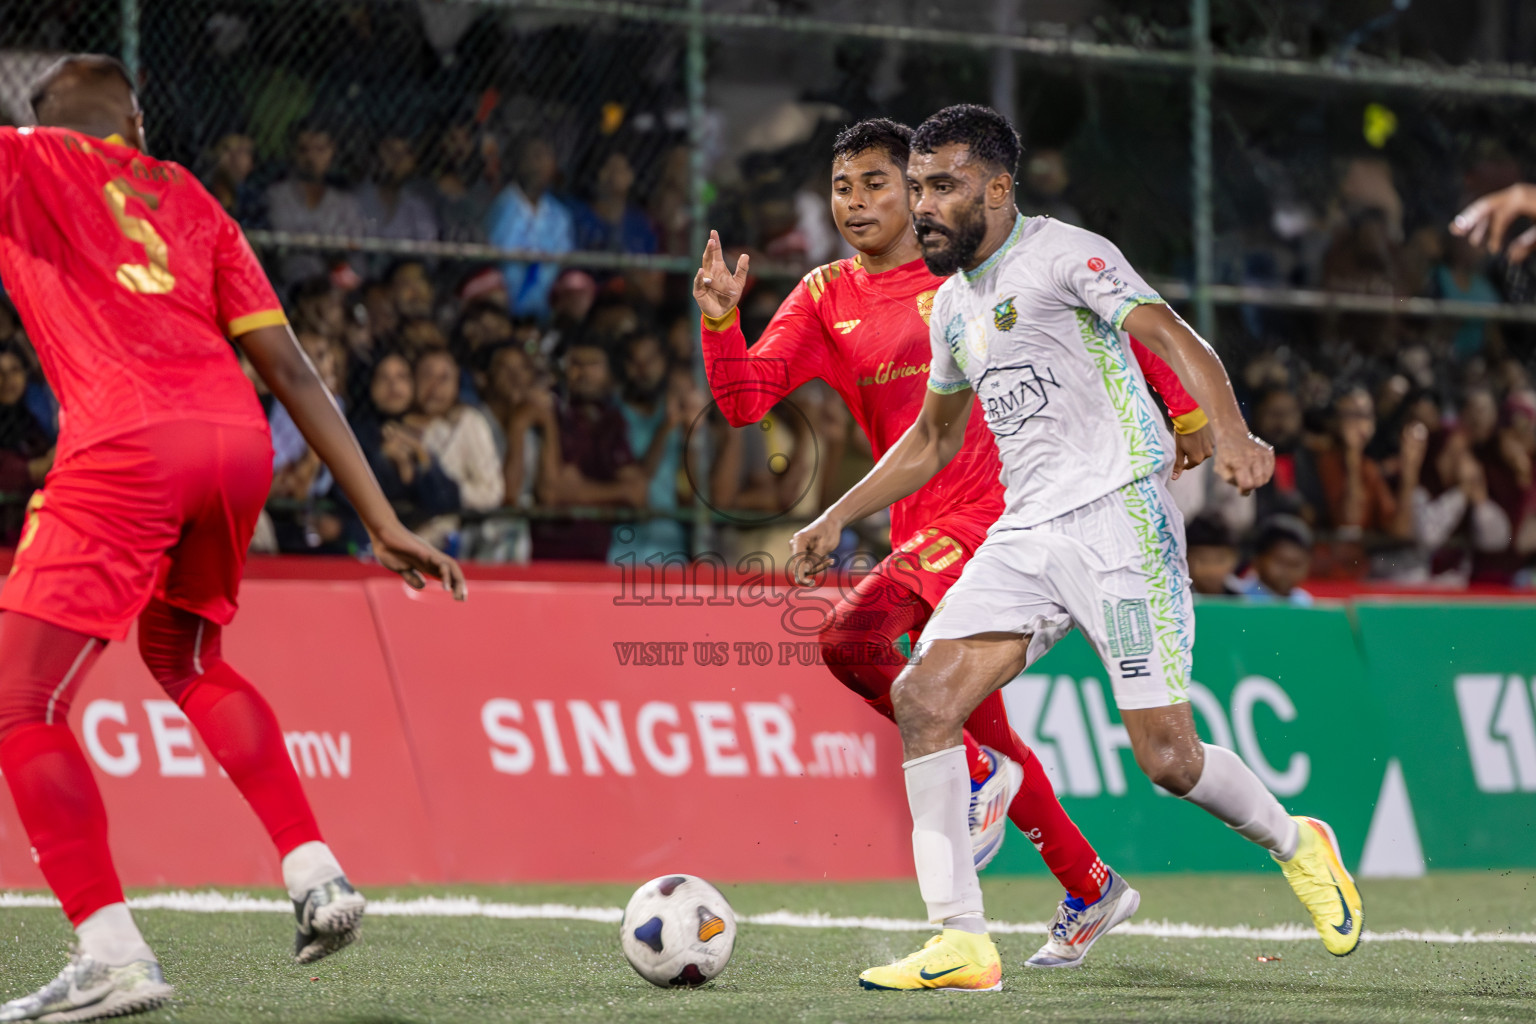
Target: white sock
[[309, 865], [976, 924], [110, 937], [939, 793], [1228, 789]]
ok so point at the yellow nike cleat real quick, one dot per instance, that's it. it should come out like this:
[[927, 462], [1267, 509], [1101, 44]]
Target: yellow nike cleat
[[1317, 876], [953, 961]]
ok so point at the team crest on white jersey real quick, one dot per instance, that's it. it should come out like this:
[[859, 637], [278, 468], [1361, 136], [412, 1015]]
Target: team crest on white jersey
[[1004, 316]]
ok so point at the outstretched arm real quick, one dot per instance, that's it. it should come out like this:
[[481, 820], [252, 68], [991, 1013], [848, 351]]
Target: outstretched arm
[[1193, 441], [275, 353], [1241, 459], [747, 383], [927, 447]]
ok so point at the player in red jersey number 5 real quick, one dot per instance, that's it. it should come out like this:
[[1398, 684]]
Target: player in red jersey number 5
[[131, 280]]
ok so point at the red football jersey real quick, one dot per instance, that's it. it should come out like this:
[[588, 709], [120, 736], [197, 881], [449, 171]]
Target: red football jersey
[[129, 277], [867, 336]]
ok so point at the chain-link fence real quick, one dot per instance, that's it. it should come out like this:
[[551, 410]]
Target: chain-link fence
[[498, 179]]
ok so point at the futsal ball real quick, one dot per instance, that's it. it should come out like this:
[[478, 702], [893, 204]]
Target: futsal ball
[[678, 931]]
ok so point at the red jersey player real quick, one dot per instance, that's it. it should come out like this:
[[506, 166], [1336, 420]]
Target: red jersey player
[[130, 279], [861, 325]]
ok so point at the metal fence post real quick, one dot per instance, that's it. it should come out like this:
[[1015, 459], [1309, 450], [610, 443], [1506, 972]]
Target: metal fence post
[[698, 202], [1200, 167], [130, 15]]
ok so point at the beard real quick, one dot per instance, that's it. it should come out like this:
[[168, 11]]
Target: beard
[[964, 239]]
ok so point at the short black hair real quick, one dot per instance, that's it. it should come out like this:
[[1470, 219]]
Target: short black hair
[[481, 360], [478, 308], [1209, 530], [642, 333], [1272, 390], [584, 339], [986, 132], [880, 133], [400, 264], [310, 124], [1281, 529], [92, 66]]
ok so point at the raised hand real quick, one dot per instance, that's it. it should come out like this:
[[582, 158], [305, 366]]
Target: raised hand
[[715, 288], [1486, 221]]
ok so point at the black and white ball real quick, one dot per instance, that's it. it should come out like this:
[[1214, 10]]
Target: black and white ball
[[678, 931]]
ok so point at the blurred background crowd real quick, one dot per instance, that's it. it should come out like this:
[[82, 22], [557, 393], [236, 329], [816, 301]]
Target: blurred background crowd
[[553, 408]]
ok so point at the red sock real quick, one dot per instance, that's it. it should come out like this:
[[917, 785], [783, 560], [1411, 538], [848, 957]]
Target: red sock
[[243, 735], [60, 806], [1036, 810], [184, 653], [41, 668], [980, 764]]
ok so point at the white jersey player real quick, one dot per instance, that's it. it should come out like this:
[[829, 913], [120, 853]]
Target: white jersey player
[[1033, 323], [1034, 333]]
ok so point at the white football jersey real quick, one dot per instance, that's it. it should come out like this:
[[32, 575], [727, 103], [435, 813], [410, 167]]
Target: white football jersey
[[1035, 332]]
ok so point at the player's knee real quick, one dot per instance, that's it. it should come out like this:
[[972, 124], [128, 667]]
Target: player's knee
[[921, 707], [858, 653], [177, 647], [22, 705], [832, 638], [1171, 766], [16, 714]]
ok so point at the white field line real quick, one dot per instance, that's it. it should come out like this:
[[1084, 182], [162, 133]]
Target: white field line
[[469, 906]]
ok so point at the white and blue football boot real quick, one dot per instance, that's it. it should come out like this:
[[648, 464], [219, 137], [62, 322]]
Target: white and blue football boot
[[1078, 925], [989, 806]]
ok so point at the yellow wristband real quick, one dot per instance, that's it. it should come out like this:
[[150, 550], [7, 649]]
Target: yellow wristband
[[722, 323], [1191, 421]]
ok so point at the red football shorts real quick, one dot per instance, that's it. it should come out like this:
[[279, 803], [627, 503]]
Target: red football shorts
[[166, 511], [929, 562]]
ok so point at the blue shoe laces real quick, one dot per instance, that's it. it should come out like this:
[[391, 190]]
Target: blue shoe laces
[[1079, 906]]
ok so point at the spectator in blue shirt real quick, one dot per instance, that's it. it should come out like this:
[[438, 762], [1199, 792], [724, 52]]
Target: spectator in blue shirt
[[527, 216], [654, 424], [1282, 559], [608, 221]]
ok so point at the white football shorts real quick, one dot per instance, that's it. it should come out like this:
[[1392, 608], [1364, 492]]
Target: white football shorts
[[1114, 568]]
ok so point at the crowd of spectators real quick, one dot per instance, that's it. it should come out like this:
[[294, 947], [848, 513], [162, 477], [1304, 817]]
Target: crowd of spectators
[[521, 411], [1405, 445], [525, 410]]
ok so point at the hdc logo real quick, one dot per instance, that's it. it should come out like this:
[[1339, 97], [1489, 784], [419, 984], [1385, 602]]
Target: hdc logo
[[1501, 731], [1070, 730]]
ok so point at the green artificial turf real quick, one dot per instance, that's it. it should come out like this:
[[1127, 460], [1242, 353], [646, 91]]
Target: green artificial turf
[[234, 967]]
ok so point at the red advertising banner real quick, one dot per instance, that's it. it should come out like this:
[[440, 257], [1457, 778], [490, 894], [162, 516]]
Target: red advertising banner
[[540, 732], [577, 738], [313, 651]]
